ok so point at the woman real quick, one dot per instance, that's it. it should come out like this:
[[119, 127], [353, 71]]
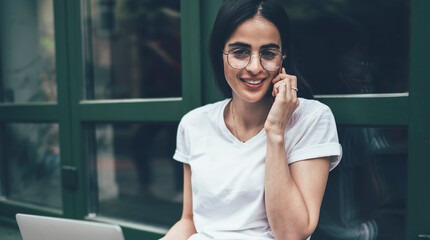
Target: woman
[[245, 174]]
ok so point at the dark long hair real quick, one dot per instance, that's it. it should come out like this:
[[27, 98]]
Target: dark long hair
[[235, 12]]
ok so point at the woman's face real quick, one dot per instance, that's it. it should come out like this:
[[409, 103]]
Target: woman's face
[[252, 82]]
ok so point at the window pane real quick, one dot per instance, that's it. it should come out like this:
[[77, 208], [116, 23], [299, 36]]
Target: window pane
[[27, 51], [32, 155], [366, 194], [132, 49], [352, 46], [133, 174]]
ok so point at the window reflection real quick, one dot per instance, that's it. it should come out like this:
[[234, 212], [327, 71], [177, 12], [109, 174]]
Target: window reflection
[[366, 194], [32, 155], [133, 174], [132, 48], [27, 51], [351, 47]]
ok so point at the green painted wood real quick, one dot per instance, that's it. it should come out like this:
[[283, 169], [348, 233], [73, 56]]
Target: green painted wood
[[78, 205], [131, 233], [9, 208], [1, 71], [211, 92], [418, 198], [4, 181], [374, 109], [31, 112], [66, 148], [8, 222], [132, 111], [191, 54]]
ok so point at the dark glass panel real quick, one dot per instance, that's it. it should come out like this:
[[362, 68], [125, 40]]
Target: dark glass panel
[[352, 46], [132, 49], [27, 51], [133, 174], [366, 193], [32, 156]]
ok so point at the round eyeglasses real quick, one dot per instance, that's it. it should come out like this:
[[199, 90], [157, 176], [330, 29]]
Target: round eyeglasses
[[270, 59]]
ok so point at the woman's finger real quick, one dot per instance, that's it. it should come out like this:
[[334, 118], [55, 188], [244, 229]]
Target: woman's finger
[[283, 75], [276, 88], [287, 87], [291, 86], [281, 89], [294, 86], [278, 78]]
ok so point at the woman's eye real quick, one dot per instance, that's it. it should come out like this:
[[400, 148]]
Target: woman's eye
[[240, 52], [268, 54]]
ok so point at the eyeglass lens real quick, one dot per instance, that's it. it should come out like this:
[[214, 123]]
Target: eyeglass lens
[[270, 59]]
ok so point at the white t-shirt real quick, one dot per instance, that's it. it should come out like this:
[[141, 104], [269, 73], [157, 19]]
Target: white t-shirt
[[227, 176]]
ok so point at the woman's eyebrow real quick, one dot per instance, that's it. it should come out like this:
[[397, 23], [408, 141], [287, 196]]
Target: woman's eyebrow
[[244, 45], [271, 45], [239, 44]]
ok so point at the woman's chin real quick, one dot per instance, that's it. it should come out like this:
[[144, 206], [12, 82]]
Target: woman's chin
[[254, 97]]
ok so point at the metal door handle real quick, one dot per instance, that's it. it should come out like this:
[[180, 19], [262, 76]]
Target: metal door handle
[[424, 236]]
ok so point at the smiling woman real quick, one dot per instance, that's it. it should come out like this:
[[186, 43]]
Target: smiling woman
[[253, 36], [227, 22], [251, 155]]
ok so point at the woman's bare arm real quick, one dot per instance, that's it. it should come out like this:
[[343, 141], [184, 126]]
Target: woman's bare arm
[[293, 193], [184, 228]]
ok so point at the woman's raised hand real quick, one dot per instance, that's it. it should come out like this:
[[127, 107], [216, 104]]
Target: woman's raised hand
[[285, 103]]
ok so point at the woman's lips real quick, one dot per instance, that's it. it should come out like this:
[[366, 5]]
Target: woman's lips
[[253, 82]]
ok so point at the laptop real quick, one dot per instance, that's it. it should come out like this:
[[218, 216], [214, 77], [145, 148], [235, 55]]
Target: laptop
[[34, 227]]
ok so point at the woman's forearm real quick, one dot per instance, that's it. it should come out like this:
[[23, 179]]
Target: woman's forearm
[[285, 206], [182, 230]]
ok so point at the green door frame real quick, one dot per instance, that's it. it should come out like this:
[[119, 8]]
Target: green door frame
[[418, 198]]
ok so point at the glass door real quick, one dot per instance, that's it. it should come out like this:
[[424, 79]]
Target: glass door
[[135, 70]]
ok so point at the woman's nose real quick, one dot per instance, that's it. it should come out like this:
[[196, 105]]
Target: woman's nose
[[254, 65]]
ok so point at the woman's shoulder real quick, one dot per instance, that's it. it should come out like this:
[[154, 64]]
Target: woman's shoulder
[[312, 106], [310, 110]]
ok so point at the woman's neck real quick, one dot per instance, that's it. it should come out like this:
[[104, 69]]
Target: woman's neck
[[250, 115]]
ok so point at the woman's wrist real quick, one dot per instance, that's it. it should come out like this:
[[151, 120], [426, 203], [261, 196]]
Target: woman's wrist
[[273, 129], [274, 136]]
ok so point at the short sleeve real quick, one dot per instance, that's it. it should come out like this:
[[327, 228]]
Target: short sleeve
[[318, 138], [182, 144]]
